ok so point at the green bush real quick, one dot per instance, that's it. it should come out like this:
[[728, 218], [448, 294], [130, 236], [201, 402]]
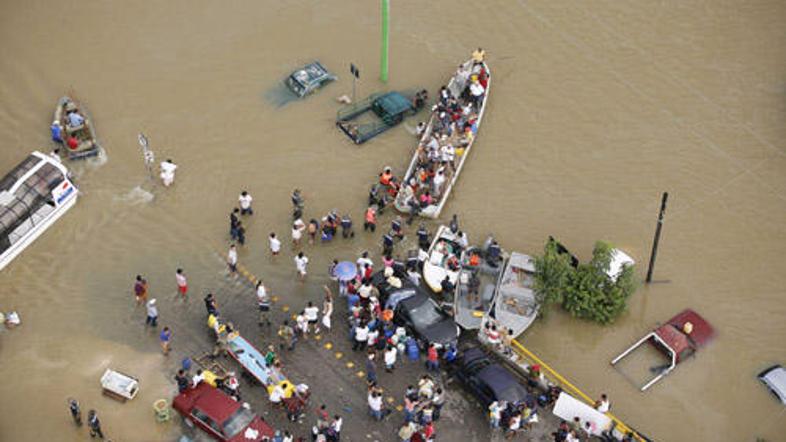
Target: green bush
[[587, 291]]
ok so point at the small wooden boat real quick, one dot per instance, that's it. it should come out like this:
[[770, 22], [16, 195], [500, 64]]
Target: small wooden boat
[[444, 259], [119, 386], [476, 285], [86, 144], [435, 136], [515, 305]]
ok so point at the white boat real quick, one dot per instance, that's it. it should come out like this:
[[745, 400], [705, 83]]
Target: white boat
[[515, 305], [476, 285], [457, 86], [33, 195], [443, 249]]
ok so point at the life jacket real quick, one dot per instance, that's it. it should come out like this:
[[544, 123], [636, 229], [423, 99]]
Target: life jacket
[[474, 260], [385, 177], [371, 215]]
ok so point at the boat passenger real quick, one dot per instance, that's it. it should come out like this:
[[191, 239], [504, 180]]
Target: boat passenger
[[478, 55], [385, 176], [439, 180], [476, 91], [75, 120], [73, 142], [452, 263], [57, 132], [463, 240]]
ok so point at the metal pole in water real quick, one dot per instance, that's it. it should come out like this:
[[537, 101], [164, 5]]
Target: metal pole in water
[[383, 68], [657, 237]]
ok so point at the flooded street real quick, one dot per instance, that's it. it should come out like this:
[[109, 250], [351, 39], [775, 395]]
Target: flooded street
[[596, 110]]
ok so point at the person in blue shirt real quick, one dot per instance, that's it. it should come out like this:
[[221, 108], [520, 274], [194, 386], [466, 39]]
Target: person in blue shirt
[[57, 132], [74, 119]]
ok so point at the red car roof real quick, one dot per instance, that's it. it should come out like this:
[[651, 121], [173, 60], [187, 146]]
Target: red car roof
[[212, 401], [673, 331]]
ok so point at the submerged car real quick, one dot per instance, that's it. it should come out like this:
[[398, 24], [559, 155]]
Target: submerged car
[[220, 416], [415, 310], [385, 110], [678, 339], [487, 380], [308, 79], [775, 379]]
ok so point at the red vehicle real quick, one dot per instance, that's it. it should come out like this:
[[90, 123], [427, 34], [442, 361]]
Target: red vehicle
[[220, 416], [677, 339]]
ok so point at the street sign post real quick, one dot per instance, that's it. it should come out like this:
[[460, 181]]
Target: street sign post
[[147, 154], [355, 76]]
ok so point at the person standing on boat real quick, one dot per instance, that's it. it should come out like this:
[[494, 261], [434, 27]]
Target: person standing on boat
[[463, 241], [603, 405], [182, 283], [245, 203], [168, 172]]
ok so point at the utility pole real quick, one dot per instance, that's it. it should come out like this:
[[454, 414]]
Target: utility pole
[[383, 65], [355, 75], [657, 237]]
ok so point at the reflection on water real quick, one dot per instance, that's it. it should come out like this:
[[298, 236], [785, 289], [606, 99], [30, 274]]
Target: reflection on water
[[135, 196], [279, 95]]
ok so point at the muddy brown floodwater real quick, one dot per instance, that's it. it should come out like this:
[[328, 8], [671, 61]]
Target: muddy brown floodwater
[[596, 109]]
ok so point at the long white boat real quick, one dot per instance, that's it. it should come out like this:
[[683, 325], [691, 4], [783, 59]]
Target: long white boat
[[457, 86], [444, 259], [515, 305], [33, 195]]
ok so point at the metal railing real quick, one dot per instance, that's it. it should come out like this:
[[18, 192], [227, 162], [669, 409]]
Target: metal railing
[[568, 387]]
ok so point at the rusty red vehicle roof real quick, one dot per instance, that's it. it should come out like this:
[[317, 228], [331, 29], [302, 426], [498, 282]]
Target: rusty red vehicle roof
[[673, 331], [210, 400]]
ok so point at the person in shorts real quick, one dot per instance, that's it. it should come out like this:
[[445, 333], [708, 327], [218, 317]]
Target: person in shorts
[[263, 301], [140, 290], [182, 284]]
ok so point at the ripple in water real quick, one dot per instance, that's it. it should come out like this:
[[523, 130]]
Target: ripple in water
[[135, 196]]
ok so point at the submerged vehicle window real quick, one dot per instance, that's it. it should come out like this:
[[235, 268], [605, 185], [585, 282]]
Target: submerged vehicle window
[[237, 422], [425, 314], [295, 85]]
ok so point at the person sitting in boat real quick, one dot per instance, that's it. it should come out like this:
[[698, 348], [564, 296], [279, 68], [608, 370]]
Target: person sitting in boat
[[452, 263], [75, 119], [426, 199], [385, 176], [72, 141], [478, 55], [476, 91], [439, 181]]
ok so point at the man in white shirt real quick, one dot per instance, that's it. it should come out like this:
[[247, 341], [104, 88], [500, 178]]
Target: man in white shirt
[[375, 405], [301, 262], [361, 337], [275, 244], [363, 261], [439, 180], [603, 405], [168, 172], [245, 203], [277, 394], [312, 316], [232, 260], [390, 358], [263, 302], [297, 231]]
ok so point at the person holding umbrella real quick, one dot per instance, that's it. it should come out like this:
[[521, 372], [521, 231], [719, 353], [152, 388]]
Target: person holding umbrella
[[344, 271]]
